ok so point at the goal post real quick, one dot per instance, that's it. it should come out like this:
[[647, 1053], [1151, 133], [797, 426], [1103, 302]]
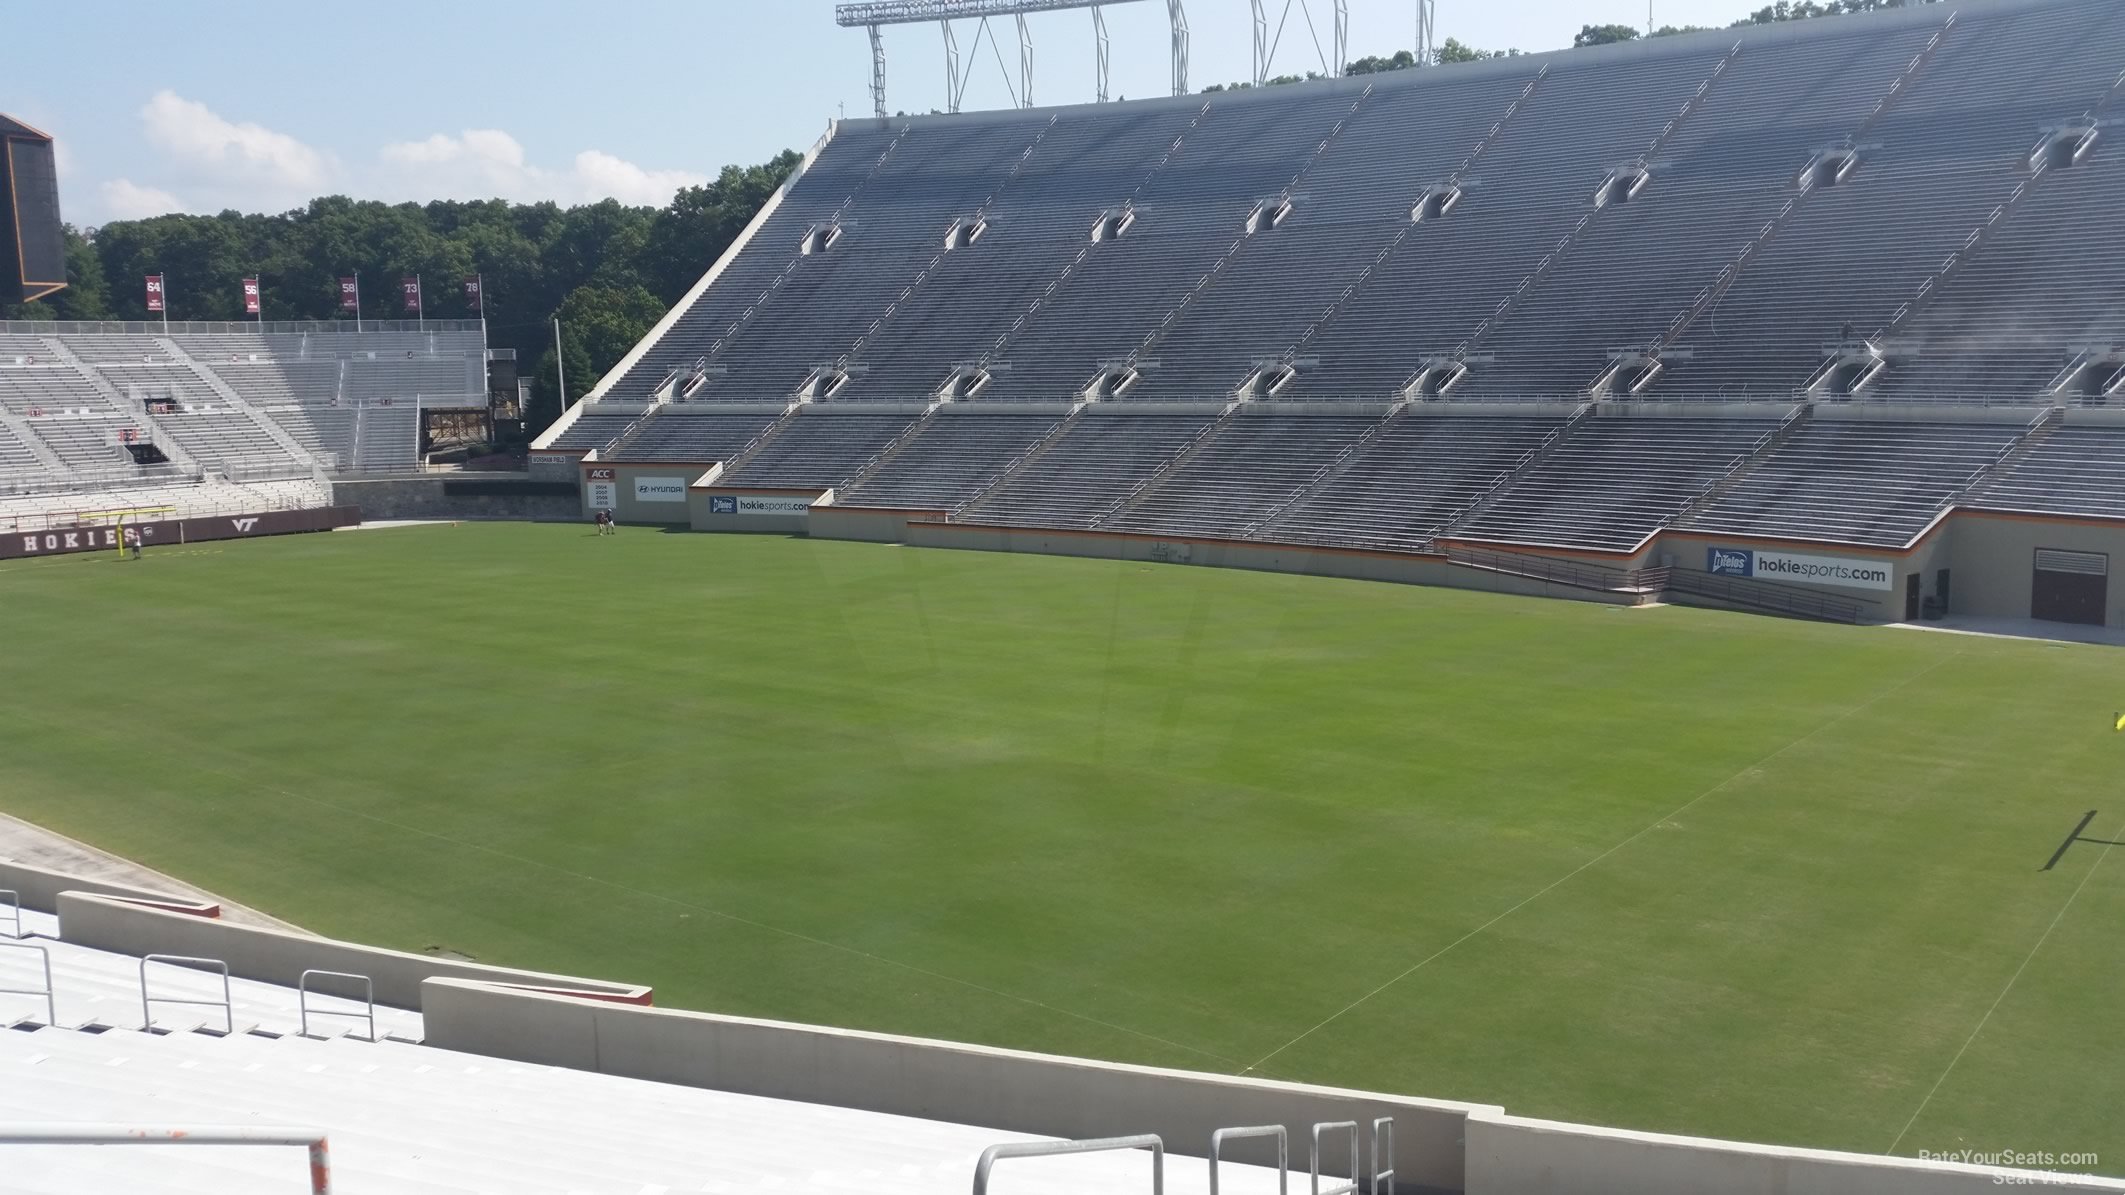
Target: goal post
[[123, 517]]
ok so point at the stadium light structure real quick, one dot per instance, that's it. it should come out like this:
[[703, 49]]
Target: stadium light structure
[[1333, 59], [874, 15]]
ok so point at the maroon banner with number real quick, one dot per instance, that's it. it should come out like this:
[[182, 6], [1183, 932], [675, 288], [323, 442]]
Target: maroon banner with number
[[350, 294], [155, 292], [473, 298], [250, 296], [410, 286]]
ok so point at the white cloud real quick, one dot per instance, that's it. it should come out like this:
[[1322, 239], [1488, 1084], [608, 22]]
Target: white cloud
[[124, 199], [197, 138], [218, 163], [485, 163]]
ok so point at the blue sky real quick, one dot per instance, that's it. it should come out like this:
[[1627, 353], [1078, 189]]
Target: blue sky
[[199, 106]]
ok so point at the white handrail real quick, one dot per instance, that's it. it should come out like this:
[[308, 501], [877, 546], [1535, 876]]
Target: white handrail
[[74, 1134], [1048, 1149]]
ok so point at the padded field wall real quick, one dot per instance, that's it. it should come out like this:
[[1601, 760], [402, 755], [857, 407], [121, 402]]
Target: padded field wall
[[459, 496], [1988, 556]]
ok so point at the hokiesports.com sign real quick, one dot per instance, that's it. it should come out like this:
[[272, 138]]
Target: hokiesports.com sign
[[759, 504], [1807, 570]]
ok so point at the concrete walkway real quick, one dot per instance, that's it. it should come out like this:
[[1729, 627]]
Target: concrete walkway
[[32, 844], [2021, 628]]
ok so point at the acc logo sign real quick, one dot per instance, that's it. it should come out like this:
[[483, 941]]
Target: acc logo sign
[[244, 525], [601, 475], [718, 505], [1731, 562]]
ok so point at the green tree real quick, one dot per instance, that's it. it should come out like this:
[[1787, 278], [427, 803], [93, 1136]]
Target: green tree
[[1373, 65], [598, 326], [1454, 51], [1604, 35]]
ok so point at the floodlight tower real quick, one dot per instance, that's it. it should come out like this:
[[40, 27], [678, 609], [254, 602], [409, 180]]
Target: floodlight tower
[[1427, 22], [874, 15], [1333, 60]]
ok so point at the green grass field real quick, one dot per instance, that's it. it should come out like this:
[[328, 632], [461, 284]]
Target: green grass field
[[1664, 869]]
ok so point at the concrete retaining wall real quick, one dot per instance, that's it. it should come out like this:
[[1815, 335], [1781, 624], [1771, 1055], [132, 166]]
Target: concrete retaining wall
[[1509, 1155], [39, 888], [1000, 1089], [462, 496], [106, 923]]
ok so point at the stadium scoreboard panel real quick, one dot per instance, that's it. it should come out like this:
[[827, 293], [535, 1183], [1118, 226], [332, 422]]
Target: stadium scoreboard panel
[[32, 251]]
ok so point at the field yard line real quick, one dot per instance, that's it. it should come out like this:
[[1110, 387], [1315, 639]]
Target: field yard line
[[1546, 889], [2002, 999]]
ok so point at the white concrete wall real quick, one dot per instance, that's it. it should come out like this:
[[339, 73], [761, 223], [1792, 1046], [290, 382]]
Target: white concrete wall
[[1001, 1089], [39, 888], [273, 956], [1510, 1155]]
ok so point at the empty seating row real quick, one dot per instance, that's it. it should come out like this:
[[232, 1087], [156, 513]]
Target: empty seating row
[[694, 437], [1616, 479], [1250, 467], [818, 449], [2068, 470], [1091, 467], [1857, 482], [950, 458]]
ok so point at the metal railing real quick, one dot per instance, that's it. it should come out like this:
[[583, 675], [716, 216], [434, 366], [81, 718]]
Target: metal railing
[[14, 911], [1283, 1152], [1049, 1149], [1551, 568], [1335, 1126], [368, 998], [51, 1008], [73, 1134], [1383, 1181], [229, 327], [1776, 599], [227, 1006]]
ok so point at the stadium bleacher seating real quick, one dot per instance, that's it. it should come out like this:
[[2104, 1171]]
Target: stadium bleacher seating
[[1858, 482], [401, 1115], [242, 405], [1099, 458], [1616, 479], [681, 434], [2075, 469], [1420, 471], [1868, 210], [818, 448], [950, 458]]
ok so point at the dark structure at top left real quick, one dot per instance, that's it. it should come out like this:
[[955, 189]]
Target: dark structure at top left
[[32, 252]]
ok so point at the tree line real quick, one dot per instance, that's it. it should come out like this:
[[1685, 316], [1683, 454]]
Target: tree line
[[608, 270]]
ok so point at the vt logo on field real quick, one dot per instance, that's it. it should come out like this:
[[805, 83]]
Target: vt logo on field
[[244, 524]]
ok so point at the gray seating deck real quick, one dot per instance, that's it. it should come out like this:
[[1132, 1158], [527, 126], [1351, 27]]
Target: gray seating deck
[[1412, 479], [2076, 470], [696, 437], [1616, 479], [950, 458], [1087, 469], [1857, 482], [819, 449], [1249, 468], [592, 430], [47, 388]]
